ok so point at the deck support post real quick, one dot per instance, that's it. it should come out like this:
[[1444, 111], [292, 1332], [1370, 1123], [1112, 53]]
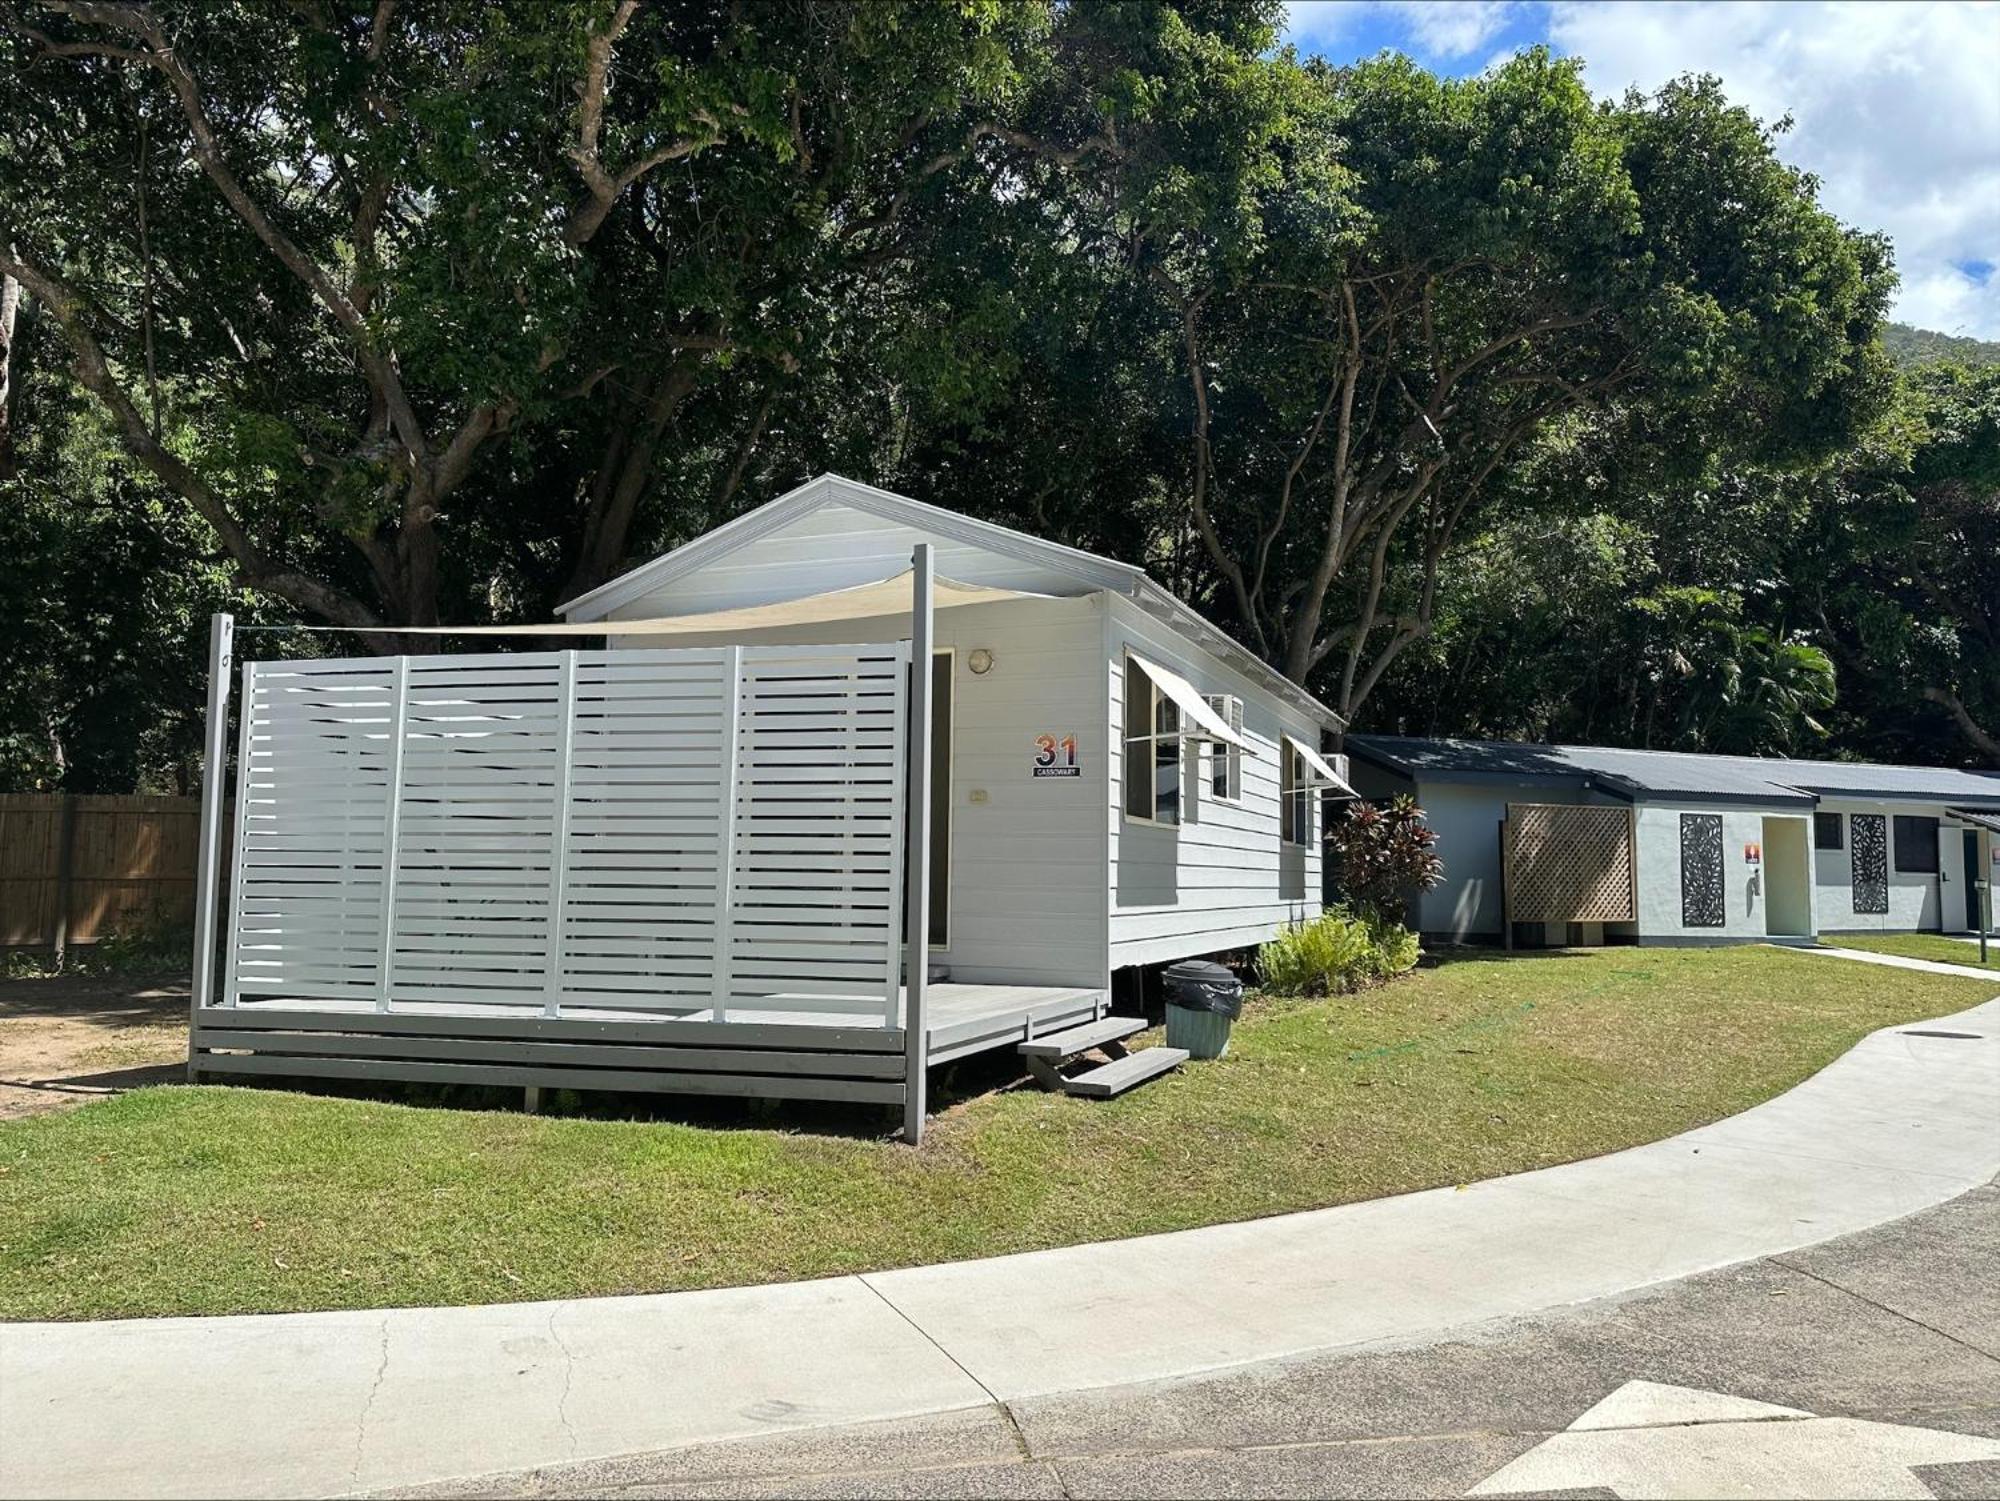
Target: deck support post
[[917, 851], [208, 842]]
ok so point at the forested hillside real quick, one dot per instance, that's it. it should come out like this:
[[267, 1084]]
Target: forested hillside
[[1475, 405], [1920, 346]]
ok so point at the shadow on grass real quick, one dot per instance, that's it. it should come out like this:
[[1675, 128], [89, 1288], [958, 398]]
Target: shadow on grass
[[951, 1085], [108, 1081], [858, 1122], [1441, 958]]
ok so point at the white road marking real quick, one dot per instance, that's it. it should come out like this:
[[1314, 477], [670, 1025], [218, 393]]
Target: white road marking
[[1646, 1440]]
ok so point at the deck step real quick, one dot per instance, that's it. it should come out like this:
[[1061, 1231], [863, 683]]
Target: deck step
[[1134, 1068], [1073, 1040]]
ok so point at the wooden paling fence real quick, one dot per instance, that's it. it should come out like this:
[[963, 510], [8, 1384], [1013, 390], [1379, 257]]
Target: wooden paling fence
[[77, 868]]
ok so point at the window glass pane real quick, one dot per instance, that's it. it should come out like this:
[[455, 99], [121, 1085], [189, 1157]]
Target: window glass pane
[[1916, 843], [1138, 700], [1169, 715], [1138, 778], [1828, 831], [1167, 780], [1222, 773], [1294, 798]]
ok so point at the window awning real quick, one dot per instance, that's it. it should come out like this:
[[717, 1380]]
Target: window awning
[[1988, 821], [1323, 776], [1198, 720]]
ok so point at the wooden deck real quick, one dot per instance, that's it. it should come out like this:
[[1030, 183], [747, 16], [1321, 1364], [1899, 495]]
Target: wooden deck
[[779, 1055], [964, 1019]]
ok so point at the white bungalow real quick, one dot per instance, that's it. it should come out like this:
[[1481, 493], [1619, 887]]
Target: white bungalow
[[696, 859], [1115, 782]]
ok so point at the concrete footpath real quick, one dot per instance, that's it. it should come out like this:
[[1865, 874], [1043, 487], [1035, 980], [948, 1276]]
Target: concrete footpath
[[1898, 961], [329, 1403], [1868, 1366]]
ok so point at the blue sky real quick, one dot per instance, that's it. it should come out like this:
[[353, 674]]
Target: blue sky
[[1896, 106]]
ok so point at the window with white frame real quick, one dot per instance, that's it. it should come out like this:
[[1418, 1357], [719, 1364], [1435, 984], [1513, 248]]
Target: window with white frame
[[1152, 749], [1225, 762], [1296, 794]]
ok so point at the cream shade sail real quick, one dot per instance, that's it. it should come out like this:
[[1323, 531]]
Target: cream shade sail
[[1198, 721], [883, 597], [1323, 775]]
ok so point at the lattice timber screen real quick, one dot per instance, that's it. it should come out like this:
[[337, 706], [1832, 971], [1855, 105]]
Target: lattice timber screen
[[691, 832], [1569, 864]]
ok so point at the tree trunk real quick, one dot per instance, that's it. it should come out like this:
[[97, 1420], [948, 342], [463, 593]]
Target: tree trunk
[[1987, 742], [616, 492], [10, 310]]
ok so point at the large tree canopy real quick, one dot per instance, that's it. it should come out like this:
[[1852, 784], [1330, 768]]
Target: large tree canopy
[[1477, 405], [1370, 290], [357, 253]]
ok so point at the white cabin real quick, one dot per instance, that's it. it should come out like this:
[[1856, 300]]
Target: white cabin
[[1075, 831]]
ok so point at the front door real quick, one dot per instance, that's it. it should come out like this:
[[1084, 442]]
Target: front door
[[1972, 878]]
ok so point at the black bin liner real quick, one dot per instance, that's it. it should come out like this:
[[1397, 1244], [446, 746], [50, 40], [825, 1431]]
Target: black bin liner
[[1197, 985]]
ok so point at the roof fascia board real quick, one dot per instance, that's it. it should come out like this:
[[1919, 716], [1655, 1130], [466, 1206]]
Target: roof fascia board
[[1573, 782], [1779, 799], [1910, 799], [832, 489]]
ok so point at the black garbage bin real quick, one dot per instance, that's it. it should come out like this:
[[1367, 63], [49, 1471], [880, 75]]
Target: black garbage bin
[[1202, 1000]]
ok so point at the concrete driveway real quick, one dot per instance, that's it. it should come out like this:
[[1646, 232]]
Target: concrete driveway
[[1869, 1366]]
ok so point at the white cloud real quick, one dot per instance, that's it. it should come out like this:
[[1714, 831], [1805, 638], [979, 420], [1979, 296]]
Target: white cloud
[[1441, 30], [1897, 110], [1320, 25], [1453, 28]]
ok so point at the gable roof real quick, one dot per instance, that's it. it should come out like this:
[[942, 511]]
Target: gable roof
[[1089, 570], [1638, 774]]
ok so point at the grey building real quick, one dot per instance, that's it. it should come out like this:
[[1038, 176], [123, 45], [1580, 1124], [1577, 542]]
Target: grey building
[[1688, 848]]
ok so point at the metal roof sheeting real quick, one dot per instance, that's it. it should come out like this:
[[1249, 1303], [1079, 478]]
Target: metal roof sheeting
[[1638, 774]]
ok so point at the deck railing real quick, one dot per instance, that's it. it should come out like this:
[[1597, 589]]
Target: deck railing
[[713, 833]]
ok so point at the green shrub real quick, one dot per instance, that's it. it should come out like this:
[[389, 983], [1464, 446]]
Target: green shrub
[[1321, 957], [1383, 856], [146, 945], [1335, 953], [153, 942], [1396, 948]]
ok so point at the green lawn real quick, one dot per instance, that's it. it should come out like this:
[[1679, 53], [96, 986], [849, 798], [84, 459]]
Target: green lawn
[[1919, 946], [215, 1199]]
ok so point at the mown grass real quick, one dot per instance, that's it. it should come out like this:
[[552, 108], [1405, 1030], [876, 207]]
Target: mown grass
[[214, 1200], [1920, 946]]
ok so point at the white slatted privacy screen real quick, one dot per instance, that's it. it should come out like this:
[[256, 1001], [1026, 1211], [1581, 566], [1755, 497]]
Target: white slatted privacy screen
[[713, 833]]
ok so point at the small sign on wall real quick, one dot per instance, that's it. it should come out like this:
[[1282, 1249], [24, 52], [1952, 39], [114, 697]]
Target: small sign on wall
[[1753, 853], [1055, 756]]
